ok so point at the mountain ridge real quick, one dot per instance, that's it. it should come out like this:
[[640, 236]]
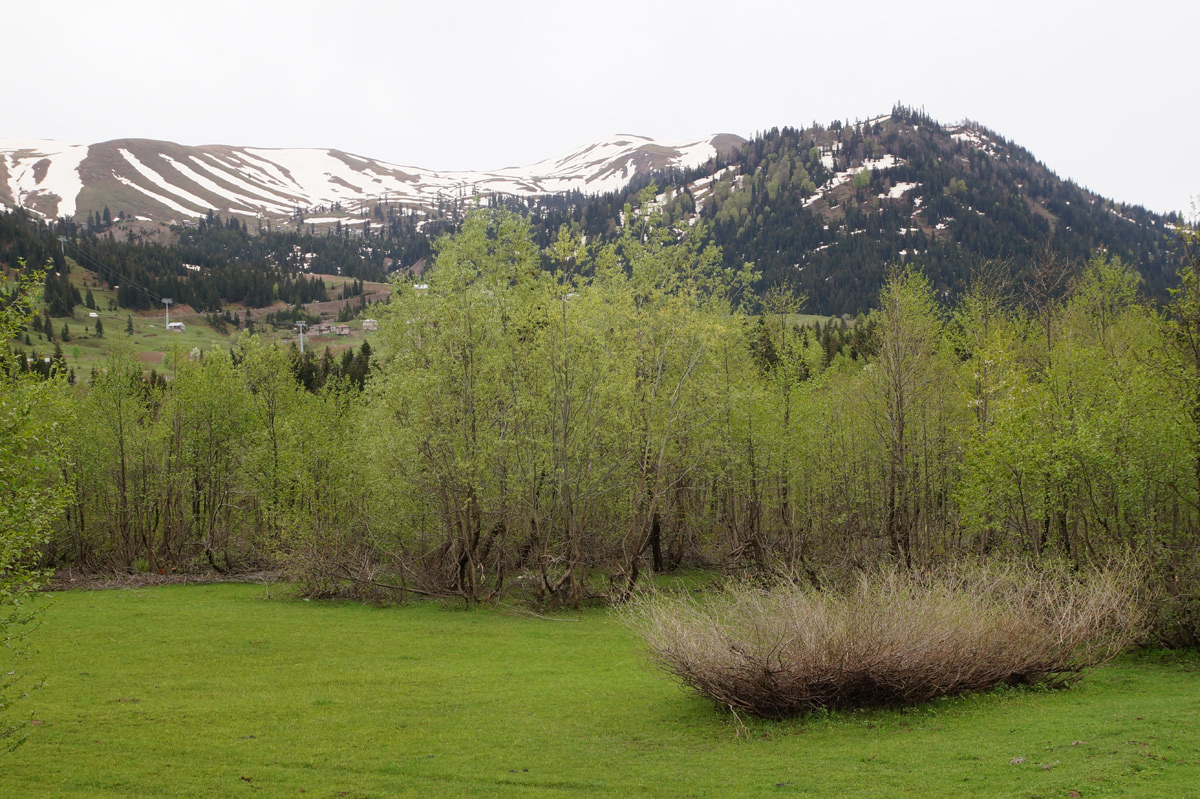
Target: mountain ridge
[[826, 210], [169, 182]]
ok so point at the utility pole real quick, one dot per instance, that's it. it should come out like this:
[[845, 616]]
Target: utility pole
[[167, 302], [301, 326]]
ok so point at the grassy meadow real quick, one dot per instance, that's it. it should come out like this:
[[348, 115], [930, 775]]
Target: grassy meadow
[[241, 690], [156, 348]]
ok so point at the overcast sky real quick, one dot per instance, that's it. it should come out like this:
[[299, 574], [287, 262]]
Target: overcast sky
[[1106, 97]]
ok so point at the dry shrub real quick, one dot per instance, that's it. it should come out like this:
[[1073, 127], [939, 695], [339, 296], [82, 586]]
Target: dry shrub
[[891, 638], [334, 568]]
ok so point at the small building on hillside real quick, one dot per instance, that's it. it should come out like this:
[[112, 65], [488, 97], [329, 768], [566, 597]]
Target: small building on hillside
[[176, 327]]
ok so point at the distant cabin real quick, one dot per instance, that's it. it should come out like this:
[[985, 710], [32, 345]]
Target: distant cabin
[[370, 324], [178, 327]]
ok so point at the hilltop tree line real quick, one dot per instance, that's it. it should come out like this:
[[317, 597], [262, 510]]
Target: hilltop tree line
[[969, 205], [212, 264], [555, 434]]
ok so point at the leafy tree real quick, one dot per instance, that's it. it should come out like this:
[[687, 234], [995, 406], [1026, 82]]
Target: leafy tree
[[33, 415], [1181, 328], [447, 397], [910, 412], [118, 459]]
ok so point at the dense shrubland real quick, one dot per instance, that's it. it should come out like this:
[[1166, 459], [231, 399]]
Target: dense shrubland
[[557, 433]]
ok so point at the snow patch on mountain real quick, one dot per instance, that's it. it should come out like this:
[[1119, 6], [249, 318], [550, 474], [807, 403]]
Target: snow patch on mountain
[[254, 180], [886, 161], [162, 182], [976, 139], [167, 201], [254, 204], [41, 167]]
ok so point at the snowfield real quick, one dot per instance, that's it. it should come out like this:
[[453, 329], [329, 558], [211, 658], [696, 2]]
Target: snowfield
[[20, 157]]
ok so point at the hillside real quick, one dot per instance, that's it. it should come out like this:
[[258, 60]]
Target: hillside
[[828, 209], [167, 182], [825, 209]]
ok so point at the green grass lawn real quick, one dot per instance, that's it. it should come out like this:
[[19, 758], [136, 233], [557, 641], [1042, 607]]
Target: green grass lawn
[[219, 691]]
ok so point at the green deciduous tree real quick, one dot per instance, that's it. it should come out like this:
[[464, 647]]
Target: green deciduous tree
[[33, 416], [913, 413]]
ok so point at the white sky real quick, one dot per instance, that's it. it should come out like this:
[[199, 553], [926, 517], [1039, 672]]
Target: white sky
[[1103, 92]]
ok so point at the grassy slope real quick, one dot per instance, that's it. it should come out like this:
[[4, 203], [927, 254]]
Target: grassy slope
[[212, 691], [153, 343]]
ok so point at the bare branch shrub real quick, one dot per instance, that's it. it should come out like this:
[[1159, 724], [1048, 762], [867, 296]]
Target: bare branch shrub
[[891, 638], [331, 567]]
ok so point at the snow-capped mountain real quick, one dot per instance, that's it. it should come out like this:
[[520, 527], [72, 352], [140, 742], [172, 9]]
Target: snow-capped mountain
[[168, 182]]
